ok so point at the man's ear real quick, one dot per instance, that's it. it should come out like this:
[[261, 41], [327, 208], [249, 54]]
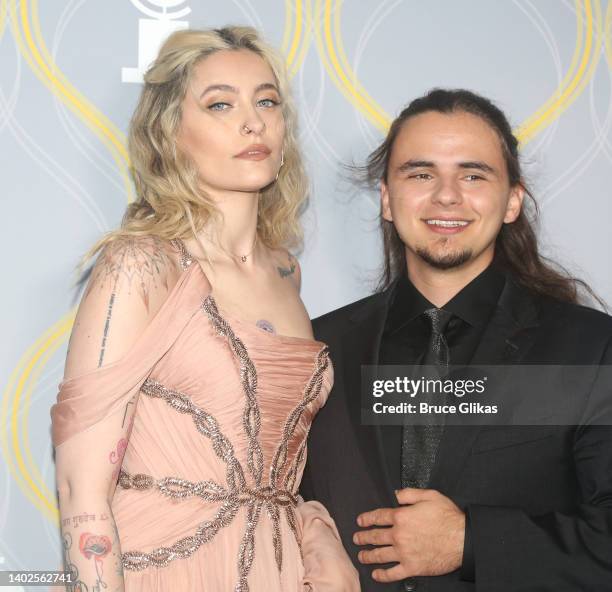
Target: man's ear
[[515, 203], [385, 208]]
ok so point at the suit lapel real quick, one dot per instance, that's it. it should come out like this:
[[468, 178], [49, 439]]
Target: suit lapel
[[506, 340], [361, 346]]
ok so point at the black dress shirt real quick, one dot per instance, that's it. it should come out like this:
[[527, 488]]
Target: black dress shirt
[[405, 339]]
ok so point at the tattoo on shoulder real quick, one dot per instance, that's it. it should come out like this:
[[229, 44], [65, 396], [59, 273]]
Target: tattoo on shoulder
[[138, 262], [287, 271]]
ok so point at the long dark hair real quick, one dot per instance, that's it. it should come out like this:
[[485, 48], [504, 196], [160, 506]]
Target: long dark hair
[[516, 246]]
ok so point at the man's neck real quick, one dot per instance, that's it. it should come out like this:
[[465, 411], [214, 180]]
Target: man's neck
[[440, 286]]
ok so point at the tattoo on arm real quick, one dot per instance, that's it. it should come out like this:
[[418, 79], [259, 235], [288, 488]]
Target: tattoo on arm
[[90, 546], [76, 585], [79, 519], [106, 325], [287, 271], [94, 545], [132, 401], [97, 547], [140, 263], [116, 550], [116, 458]]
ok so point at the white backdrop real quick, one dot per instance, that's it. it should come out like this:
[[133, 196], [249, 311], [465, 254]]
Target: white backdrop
[[69, 82]]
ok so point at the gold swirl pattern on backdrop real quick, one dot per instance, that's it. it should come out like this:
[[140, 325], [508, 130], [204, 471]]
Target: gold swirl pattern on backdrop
[[582, 67], [3, 12], [26, 31]]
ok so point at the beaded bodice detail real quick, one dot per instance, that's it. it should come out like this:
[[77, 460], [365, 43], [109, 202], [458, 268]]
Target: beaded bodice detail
[[249, 484]]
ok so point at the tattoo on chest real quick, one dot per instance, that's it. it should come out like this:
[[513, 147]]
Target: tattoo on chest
[[287, 271], [266, 326]]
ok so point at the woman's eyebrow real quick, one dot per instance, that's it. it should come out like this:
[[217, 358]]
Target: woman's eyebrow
[[225, 87], [229, 88], [267, 86]]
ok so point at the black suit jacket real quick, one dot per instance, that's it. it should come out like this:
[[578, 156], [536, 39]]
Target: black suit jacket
[[539, 498]]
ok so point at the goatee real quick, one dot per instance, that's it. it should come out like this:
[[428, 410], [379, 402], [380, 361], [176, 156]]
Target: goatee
[[447, 261]]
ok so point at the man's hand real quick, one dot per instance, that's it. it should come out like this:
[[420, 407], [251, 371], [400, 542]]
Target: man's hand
[[425, 537]]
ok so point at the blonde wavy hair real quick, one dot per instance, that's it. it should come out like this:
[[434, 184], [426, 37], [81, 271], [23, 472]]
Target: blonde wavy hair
[[169, 202]]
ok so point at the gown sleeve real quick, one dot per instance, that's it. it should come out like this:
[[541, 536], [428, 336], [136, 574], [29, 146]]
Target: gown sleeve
[[88, 398], [327, 565]]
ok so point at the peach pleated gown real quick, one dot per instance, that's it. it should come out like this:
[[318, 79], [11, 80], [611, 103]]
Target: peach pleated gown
[[207, 494]]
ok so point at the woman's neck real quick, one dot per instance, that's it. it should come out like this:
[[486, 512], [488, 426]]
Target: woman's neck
[[235, 234]]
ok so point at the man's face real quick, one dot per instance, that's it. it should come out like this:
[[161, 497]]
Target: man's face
[[447, 191]]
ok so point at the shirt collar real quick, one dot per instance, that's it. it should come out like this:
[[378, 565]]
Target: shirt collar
[[473, 304]]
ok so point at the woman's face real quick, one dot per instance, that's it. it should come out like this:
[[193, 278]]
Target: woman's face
[[232, 124]]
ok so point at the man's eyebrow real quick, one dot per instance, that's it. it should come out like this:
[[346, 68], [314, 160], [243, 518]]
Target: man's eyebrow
[[415, 164], [412, 164], [233, 89], [479, 165]]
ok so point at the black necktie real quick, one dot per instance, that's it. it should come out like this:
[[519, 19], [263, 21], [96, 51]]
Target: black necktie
[[420, 442]]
